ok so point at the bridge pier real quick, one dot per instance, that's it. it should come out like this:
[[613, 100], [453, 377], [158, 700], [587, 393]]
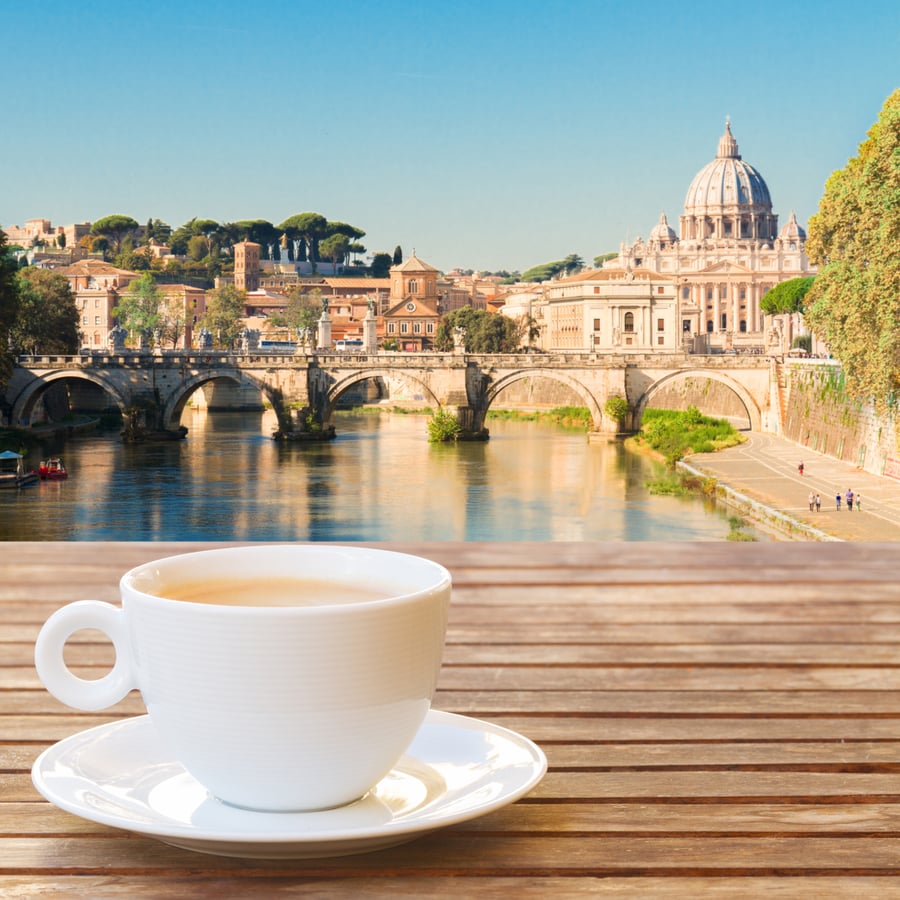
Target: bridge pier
[[471, 424]]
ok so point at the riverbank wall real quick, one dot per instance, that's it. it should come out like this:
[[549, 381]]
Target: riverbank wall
[[817, 413]]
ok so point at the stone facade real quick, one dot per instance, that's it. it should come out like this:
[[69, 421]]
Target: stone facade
[[819, 415], [729, 254]]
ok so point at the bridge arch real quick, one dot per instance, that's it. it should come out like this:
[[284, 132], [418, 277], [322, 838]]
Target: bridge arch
[[754, 414], [177, 401], [497, 387], [24, 405], [387, 374]]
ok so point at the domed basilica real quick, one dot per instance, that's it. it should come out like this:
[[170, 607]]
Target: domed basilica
[[699, 292], [729, 254]]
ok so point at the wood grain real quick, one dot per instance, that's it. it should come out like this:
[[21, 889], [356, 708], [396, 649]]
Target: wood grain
[[719, 719]]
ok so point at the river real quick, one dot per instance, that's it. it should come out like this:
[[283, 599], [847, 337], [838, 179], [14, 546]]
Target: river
[[379, 480]]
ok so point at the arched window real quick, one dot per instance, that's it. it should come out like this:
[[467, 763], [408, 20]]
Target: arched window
[[743, 324], [709, 326], [413, 286], [629, 321]]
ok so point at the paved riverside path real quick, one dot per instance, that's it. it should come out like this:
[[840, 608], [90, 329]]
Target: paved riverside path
[[764, 468]]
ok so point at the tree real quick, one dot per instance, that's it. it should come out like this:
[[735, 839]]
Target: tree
[[572, 263], [398, 255], [543, 272], [308, 227], [47, 320], [602, 258], [335, 247], [139, 309], [482, 331], [381, 265], [302, 312], [173, 318], [115, 229], [260, 232], [854, 303], [224, 311], [9, 308], [786, 297]]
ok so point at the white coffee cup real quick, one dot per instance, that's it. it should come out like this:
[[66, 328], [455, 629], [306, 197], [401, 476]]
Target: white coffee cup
[[300, 706]]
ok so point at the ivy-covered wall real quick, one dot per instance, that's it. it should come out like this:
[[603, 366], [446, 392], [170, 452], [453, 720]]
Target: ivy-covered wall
[[819, 415]]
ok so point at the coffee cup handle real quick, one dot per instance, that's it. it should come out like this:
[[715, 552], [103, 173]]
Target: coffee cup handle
[[50, 662]]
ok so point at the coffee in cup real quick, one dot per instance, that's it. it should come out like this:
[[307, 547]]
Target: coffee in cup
[[285, 677]]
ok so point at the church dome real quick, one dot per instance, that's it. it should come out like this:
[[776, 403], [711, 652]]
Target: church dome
[[663, 234], [728, 199], [792, 231], [727, 182]]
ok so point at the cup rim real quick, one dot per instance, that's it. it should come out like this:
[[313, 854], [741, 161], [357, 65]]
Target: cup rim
[[440, 582]]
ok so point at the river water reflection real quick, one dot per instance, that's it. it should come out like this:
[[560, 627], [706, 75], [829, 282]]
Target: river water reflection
[[380, 480]]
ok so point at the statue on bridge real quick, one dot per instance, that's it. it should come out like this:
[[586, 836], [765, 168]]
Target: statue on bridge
[[116, 339]]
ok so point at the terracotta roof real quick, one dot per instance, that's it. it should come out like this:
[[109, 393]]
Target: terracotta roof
[[94, 266], [413, 264], [363, 283]]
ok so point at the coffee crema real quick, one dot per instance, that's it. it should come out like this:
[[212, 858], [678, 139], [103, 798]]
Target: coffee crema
[[270, 591]]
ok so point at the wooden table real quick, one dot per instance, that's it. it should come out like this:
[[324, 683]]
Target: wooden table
[[718, 718]]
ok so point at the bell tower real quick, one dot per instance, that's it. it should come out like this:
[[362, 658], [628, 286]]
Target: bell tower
[[246, 266]]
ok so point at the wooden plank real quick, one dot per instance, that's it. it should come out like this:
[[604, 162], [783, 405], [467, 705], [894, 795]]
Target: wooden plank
[[457, 851], [661, 819], [209, 886]]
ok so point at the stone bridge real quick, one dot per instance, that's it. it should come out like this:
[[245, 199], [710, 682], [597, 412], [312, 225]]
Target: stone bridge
[[161, 383]]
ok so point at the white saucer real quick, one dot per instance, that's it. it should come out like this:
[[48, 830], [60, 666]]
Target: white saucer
[[455, 769]]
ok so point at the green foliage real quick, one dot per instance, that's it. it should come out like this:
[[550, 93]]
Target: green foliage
[[139, 308], [675, 433], [398, 255], [786, 297], [309, 227], [9, 309], [483, 331], [381, 265], [565, 416], [224, 310], [854, 303], [736, 531], [616, 408], [115, 228], [603, 257], [302, 312], [546, 271], [335, 247], [443, 426], [46, 320]]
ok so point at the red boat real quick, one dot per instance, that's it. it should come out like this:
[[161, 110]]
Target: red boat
[[52, 469]]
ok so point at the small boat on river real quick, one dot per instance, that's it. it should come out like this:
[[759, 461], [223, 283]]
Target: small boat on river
[[12, 471], [52, 469]]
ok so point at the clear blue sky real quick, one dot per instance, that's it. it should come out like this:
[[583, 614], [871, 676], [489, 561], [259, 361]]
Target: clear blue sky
[[488, 135]]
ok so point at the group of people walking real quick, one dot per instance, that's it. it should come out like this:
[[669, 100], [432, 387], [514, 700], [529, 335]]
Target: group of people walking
[[850, 497], [815, 501]]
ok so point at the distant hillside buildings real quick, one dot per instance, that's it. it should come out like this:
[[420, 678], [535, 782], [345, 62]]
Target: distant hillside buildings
[[699, 291]]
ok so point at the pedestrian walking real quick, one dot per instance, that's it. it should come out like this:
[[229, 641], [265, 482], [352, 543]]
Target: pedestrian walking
[[837, 501], [858, 501], [800, 467], [849, 498], [812, 501], [819, 502]]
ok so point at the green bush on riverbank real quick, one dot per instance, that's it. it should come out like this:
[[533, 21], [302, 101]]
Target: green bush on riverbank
[[674, 433]]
